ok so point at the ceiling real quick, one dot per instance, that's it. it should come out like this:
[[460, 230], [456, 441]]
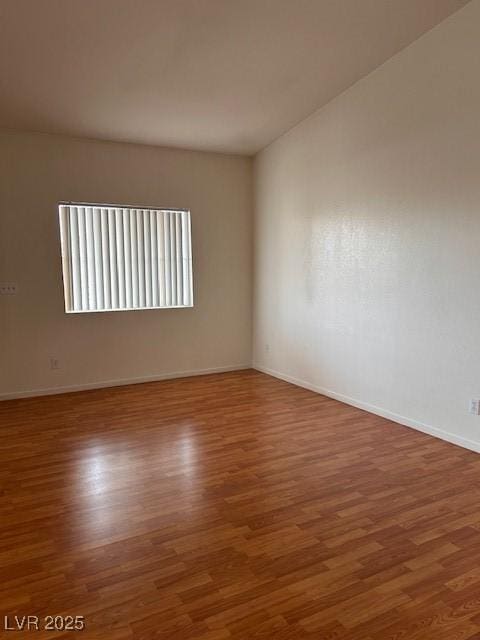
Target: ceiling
[[221, 75]]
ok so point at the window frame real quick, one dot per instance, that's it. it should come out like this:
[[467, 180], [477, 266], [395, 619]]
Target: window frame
[[65, 254]]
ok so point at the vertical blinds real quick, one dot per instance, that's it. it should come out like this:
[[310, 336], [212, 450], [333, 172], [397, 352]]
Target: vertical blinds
[[121, 258]]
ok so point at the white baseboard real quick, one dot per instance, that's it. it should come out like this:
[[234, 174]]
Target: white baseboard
[[120, 382], [379, 411]]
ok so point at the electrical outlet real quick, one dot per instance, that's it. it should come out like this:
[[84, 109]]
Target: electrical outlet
[[474, 407], [8, 288], [54, 364]]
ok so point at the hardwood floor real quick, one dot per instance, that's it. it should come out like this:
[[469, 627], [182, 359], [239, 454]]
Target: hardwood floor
[[234, 506]]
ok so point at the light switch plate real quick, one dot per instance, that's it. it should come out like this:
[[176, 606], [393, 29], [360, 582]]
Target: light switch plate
[[8, 288]]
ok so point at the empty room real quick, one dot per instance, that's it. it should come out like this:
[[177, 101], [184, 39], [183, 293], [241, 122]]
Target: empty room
[[239, 265]]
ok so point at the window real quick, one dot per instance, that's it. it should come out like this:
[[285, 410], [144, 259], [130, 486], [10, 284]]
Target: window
[[124, 258]]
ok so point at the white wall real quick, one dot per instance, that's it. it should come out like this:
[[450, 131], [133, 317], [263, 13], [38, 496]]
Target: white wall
[[36, 171], [367, 239]]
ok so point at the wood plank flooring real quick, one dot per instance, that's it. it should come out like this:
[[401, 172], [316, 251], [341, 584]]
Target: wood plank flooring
[[234, 506]]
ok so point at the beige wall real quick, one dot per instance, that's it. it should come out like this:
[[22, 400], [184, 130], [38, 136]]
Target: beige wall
[[36, 171], [367, 239]]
